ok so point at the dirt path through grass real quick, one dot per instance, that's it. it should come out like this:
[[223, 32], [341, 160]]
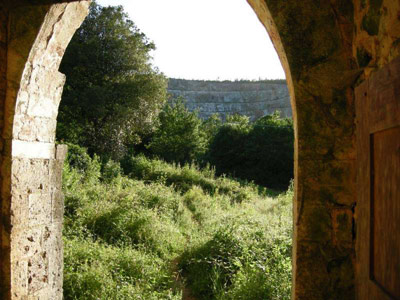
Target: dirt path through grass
[[186, 292]]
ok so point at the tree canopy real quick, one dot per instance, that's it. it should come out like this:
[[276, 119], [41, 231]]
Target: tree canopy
[[179, 136], [113, 92], [261, 151]]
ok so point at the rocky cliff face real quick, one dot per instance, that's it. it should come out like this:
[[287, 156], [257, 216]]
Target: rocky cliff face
[[254, 99]]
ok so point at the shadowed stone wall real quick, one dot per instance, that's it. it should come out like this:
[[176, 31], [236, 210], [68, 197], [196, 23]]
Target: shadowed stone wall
[[253, 99], [327, 48], [4, 271], [31, 165]]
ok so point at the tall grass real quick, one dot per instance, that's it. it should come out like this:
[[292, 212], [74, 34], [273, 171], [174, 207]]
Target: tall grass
[[145, 235]]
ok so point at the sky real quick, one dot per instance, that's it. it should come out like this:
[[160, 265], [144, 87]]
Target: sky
[[207, 39]]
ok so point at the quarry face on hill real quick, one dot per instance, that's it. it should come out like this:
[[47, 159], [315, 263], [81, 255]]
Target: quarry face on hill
[[251, 98]]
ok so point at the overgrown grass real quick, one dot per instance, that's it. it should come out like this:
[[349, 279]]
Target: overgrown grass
[[143, 237]]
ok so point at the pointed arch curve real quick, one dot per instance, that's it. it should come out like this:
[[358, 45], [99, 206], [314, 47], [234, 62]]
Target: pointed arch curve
[[326, 48]]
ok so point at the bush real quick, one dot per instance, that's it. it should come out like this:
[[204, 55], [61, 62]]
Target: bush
[[211, 267], [87, 167], [261, 152], [111, 170], [179, 137]]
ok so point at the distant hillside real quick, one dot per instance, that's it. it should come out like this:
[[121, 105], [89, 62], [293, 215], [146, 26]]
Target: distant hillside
[[252, 98]]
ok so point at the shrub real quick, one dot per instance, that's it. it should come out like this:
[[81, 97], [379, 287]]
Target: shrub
[[79, 159], [111, 170], [261, 152], [179, 137], [210, 267]]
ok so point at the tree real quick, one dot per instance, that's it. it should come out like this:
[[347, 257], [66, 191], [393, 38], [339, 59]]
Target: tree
[[113, 93], [261, 151], [270, 151], [179, 136]]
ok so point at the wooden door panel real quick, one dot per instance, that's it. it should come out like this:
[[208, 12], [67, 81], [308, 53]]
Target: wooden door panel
[[382, 113], [378, 185], [385, 210]]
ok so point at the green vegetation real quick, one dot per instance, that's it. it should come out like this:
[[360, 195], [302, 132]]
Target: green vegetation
[[179, 137], [112, 105], [260, 151], [113, 93], [149, 213], [164, 227]]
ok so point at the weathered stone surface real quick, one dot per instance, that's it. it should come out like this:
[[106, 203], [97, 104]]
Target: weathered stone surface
[[31, 166], [32, 149], [346, 41], [253, 99]]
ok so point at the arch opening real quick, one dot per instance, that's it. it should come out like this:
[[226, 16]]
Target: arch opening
[[326, 48]]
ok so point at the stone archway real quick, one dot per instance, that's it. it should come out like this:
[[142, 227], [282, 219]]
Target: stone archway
[[326, 47], [314, 42], [33, 41]]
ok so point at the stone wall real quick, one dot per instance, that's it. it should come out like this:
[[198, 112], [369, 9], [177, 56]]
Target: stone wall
[[253, 99], [31, 265], [4, 270], [327, 49]]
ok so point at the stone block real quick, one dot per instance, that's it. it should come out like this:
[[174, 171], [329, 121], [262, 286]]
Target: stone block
[[38, 272], [329, 271], [338, 196], [328, 172], [34, 129], [342, 220], [25, 149], [51, 239], [9, 110], [314, 223], [30, 176], [27, 242], [57, 211], [20, 278], [19, 212], [310, 264], [49, 87], [55, 169], [56, 272], [40, 209], [61, 152]]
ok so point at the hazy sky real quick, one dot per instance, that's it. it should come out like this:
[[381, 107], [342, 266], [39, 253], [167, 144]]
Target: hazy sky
[[207, 39]]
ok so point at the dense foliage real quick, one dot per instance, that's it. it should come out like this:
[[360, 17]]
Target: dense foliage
[[167, 229], [261, 151], [112, 94], [179, 137], [156, 228]]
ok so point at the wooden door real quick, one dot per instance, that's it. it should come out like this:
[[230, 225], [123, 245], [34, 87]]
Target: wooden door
[[378, 185]]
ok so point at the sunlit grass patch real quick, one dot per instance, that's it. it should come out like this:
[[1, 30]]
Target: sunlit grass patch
[[127, 238]]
